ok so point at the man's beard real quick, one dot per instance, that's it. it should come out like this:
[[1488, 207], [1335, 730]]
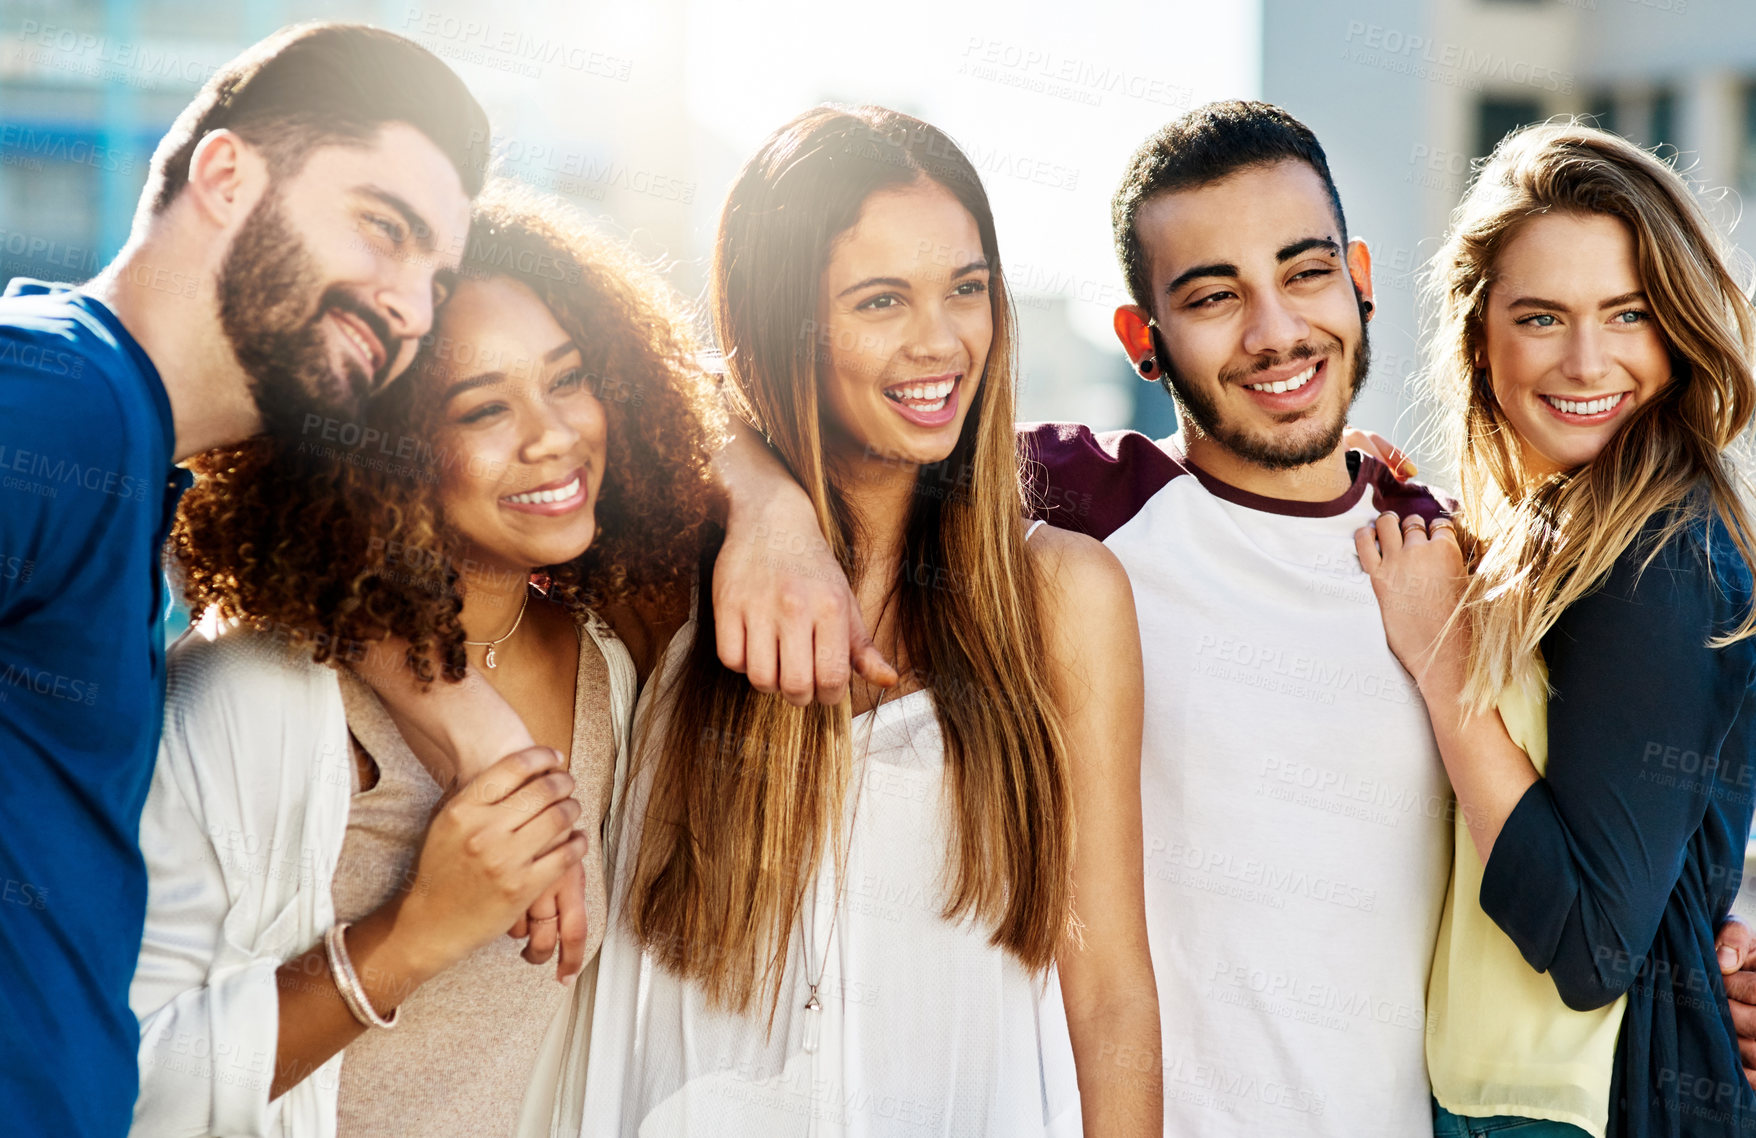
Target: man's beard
[[1269, 453], [266, 290]]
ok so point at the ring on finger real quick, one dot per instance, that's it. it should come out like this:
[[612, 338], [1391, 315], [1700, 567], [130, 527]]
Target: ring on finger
[[1413, 521], [540, 920]]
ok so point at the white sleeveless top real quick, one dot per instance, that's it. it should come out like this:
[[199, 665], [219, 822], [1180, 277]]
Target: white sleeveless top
[[925, 1028]]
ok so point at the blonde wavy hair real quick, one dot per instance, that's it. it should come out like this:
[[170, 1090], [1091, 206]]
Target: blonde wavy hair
[[1542, 543]]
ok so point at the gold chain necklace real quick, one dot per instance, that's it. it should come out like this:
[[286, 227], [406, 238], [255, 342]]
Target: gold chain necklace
[[490, 645]]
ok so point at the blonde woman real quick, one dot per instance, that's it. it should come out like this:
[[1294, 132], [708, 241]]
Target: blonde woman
[[1594, 356], [866, 920]]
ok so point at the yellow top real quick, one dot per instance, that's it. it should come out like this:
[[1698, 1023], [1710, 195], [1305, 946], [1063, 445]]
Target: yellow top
[[1499, 1039]]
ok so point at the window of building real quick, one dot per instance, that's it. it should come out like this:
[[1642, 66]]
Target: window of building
[[1663, 124], [1498, 116], [50, 207], [1600, 111], [1747, 143]]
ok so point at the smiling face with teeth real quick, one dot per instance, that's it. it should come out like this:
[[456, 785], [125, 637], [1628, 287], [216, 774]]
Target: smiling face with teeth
[[1257, 325], [1570, 344], [906, 322], [522, 432], [333, 276]]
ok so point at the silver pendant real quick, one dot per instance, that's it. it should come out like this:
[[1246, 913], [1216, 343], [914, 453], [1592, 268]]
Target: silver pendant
[[490, 659]]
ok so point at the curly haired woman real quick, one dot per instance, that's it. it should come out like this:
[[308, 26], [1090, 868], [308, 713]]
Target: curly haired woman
[[309, 881]]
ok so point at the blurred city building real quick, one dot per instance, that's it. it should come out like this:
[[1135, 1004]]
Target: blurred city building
[[87, 87]]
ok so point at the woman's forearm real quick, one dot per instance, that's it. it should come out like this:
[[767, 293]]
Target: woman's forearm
[[1419, 580], [1116, 1050], [315, 1022], [1489, 772], [1092, 639], [783, 612]]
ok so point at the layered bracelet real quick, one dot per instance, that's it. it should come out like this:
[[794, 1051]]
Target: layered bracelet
[[347, 982]]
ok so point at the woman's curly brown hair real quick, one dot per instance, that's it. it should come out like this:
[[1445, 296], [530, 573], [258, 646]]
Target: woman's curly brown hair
[[338, 537]]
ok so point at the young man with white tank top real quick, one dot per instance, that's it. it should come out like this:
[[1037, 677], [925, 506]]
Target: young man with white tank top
[[1297, 818]]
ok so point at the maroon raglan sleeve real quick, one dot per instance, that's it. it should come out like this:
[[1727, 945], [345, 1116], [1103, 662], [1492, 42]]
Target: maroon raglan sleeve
[[1405, 498], [1090, 483]]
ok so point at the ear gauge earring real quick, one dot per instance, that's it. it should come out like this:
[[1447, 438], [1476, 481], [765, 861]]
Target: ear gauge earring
[[1369, 307], [1147, 363]]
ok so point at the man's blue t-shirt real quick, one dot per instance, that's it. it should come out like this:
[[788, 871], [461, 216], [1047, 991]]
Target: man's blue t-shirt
[[87, 494]]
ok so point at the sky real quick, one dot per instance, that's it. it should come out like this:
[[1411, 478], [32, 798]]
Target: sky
[[1048, 99]]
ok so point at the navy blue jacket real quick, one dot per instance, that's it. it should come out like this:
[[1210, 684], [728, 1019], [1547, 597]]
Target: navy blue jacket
[[1614, 870]]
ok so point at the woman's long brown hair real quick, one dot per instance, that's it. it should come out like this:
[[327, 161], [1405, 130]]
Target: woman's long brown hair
[[1547, 542], [747, 791]]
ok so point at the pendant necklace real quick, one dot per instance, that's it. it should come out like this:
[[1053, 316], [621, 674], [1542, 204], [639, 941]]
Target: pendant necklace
[[814, 1006], [490, 645]]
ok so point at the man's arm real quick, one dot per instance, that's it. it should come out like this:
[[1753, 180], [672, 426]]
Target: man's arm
[[457, 730], [783, 612], [57, 414]]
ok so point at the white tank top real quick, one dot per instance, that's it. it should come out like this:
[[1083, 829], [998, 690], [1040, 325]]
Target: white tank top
[[924, 1029]]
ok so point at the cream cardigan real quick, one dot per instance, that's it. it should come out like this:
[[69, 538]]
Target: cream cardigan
[[241, 832]]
